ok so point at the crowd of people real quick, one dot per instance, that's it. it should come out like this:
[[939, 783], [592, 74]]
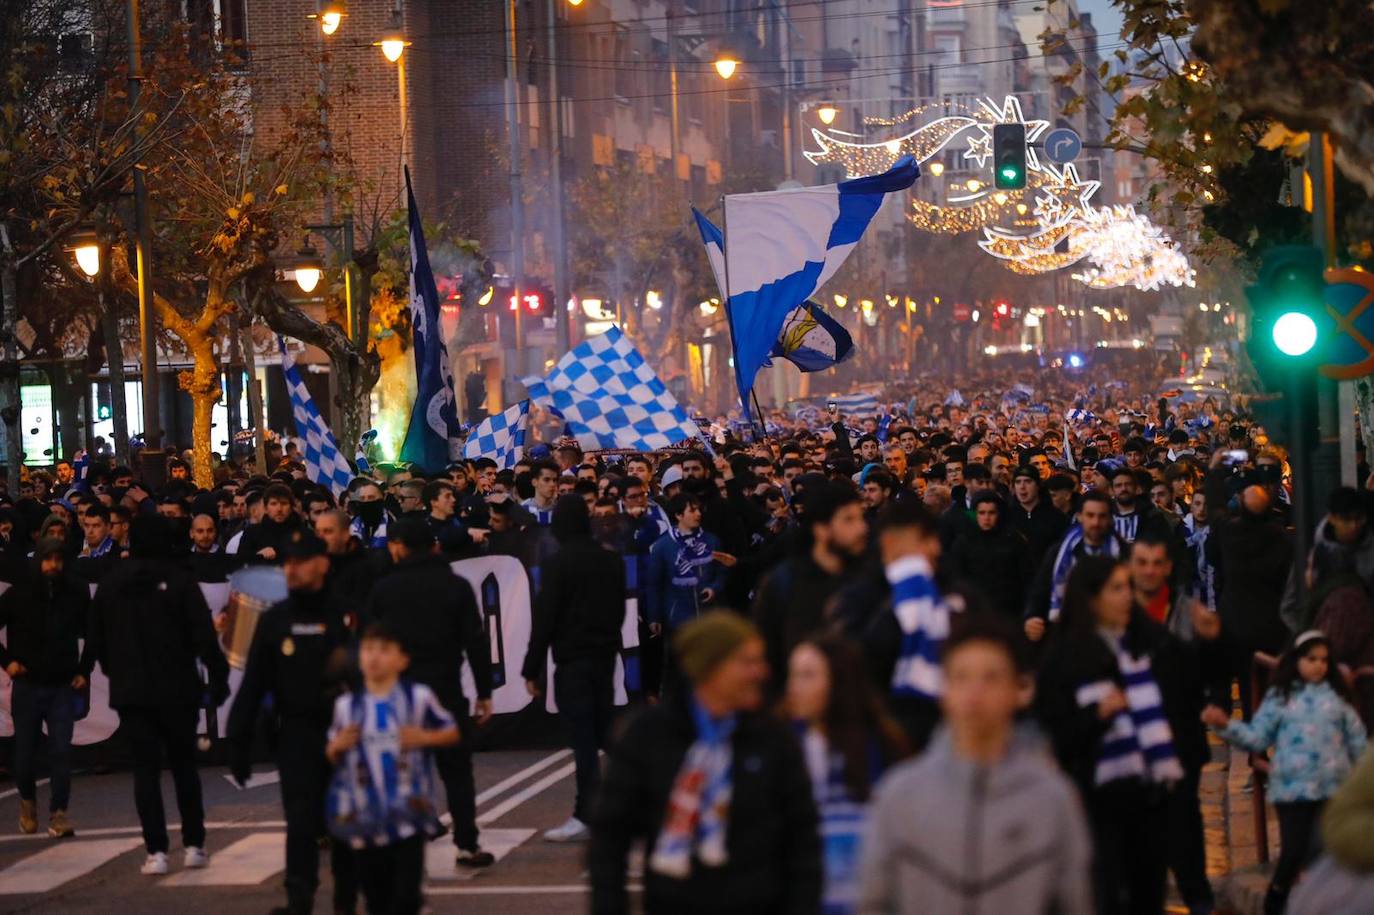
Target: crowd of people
[[956, 655]]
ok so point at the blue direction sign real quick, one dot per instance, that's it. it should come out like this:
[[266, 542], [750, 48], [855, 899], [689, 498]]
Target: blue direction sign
[[1062, 145]]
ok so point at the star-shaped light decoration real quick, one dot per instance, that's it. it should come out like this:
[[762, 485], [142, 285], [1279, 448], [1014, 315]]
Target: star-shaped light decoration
[[980, 147], [1065, 198]]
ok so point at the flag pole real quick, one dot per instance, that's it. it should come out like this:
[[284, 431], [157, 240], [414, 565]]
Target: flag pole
[[729, 318]]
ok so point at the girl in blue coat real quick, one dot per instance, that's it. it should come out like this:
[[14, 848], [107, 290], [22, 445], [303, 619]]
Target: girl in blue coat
[[1317, 737]]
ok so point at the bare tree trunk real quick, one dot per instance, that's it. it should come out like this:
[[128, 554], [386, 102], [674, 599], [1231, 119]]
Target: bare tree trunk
[[202, 383], [258, 418], [9, 369], [114, 360]]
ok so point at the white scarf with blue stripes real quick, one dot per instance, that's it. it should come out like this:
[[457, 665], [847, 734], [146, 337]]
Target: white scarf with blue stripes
[[1139, 743], [924, 620]]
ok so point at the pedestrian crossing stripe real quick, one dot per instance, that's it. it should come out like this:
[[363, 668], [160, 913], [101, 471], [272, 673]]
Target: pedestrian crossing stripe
[[250, 861]]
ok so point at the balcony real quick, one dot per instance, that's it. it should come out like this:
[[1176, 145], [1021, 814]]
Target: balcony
[[964, 79]]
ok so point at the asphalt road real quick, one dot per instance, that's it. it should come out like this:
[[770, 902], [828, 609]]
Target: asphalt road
[[520, 793]]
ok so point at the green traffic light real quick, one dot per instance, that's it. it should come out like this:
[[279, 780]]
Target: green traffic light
[[1009, 172], [1295, 333]]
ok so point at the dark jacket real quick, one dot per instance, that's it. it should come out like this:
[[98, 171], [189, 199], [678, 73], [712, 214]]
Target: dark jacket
[[1253, 555], [148, 625], [771, 835], [435, 614], [44, 619], [579, 608], [790, 605], [299, 655], [1038, 595], [1075, 658], [266, 533], [995, 564], [1043, 526]]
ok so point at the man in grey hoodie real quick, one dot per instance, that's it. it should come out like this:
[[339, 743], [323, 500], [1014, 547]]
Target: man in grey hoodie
[[982, 823]]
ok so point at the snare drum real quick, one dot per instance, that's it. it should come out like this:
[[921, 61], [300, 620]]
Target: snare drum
[[251, 592]]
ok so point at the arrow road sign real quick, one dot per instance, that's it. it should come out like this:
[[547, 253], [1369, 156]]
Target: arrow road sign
[[1062, 145]]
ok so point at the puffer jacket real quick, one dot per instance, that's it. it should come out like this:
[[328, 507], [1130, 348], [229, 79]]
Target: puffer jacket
[[1317, 737], [948, 835]]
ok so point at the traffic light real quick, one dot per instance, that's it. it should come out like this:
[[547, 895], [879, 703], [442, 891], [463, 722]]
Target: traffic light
[[1009, 156], [1288, 311]]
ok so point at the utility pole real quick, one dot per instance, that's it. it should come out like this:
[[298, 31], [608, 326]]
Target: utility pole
[[561, 291], [147, 317], [517, 202], [1325, 460]]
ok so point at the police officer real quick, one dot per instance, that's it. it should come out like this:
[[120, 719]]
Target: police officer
[[300, 655]]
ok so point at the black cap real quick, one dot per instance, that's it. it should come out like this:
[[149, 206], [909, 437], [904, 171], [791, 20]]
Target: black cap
[[413, 533], [304, 545], [1025, 470]]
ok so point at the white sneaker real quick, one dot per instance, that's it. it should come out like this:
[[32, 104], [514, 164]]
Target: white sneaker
[[196, 857], [574, 830], [156, 864]]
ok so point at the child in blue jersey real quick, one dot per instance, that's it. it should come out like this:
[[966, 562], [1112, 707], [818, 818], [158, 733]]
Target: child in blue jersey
[[381, 799]]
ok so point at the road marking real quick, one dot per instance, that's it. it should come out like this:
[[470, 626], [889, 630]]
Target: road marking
[[561, 889], [40, 783], [50, 869], [256, 780], [529, 771], [500, 842], [247, 862], [130, 830], [515, 800]]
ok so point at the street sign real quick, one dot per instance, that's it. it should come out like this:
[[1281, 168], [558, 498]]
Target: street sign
[[961, 312], [1349, 296], [1062, 145]]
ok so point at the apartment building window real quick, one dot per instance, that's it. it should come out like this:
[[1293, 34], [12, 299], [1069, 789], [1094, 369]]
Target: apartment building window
[[75, 51], [233, 22], [626, 64], [662, 84], [947, 48]]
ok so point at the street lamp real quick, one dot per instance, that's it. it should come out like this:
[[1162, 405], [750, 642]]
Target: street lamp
[[393, 41], [309, 268], [85, 248], [330, 16], [937, 169], [827, 114], [726, 66]]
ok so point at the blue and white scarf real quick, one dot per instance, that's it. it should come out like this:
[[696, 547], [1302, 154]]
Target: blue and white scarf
[[1139, 743], [693, 552], [924, 620], [543, 516], [699, 805], [1064, 561], [1127, 526], [100, 549], [1205, 580], [841, 824]]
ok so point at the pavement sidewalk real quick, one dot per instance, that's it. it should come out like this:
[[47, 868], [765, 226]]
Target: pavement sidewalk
[[1230, 828]]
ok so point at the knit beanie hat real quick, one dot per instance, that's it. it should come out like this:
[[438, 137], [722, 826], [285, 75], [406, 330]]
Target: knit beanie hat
[[703, 644]]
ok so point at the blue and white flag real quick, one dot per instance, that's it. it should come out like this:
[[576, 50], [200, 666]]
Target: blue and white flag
[[324, 463], [360, 457], [611, 398], [434, 416], [809, 339], [856, 403], [782, 246], [500, 437]]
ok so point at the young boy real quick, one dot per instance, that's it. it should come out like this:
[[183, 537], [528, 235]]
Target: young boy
[[982, 820], [381, 800]]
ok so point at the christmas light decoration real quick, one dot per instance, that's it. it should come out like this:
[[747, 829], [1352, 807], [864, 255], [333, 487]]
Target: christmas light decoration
[[858, 157]]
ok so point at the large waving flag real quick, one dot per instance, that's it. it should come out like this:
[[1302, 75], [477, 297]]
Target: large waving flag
[[324, 463], [810, 339], [611, 398], [500, 437], [782, 246], [434, 416]]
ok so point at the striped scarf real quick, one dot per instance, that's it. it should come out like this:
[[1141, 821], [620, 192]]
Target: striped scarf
[[699, 805], [543, 516], [1139, 743], [924, 620], [1127, 526], [1205, 582], [841, 824], [1064, 561]]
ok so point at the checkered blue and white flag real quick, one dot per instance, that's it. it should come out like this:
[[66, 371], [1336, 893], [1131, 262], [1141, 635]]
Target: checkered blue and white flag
[[611, 398], [324, 464], [500, 437]]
